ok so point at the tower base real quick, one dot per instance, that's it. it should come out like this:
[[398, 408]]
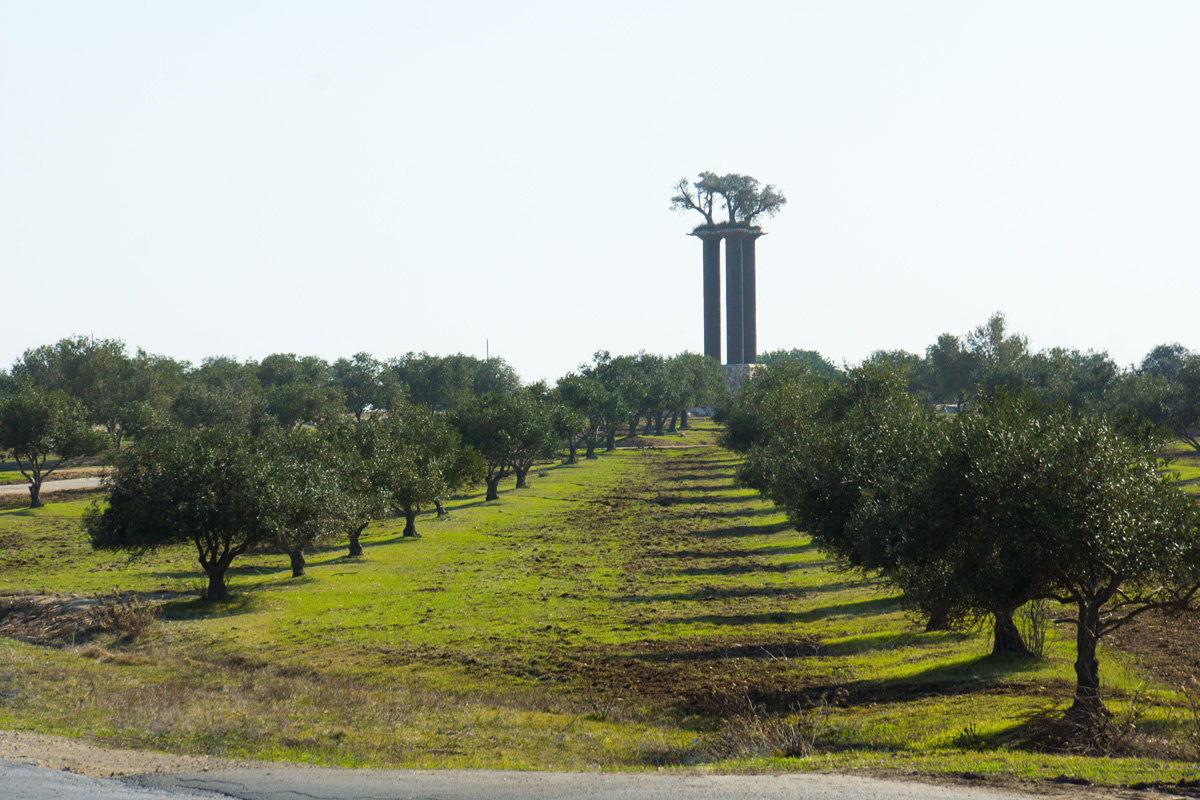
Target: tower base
[[737, 375]]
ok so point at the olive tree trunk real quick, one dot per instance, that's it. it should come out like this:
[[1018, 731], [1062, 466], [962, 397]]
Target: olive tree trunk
[[355, 546], [410, 522], [1087, 706], [215, 570], [1006, 638], [938, 620], [296, 556]]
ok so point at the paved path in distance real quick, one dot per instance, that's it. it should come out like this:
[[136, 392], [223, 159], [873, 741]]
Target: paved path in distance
[[52, 486]]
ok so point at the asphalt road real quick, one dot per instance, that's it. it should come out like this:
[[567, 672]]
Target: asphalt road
[[23, 782]]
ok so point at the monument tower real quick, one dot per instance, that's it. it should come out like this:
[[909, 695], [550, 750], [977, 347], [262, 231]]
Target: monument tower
[[744, 201]]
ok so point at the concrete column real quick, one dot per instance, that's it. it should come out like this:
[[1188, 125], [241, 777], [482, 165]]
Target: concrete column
[[749, 303], [712, 296], [733, 300]]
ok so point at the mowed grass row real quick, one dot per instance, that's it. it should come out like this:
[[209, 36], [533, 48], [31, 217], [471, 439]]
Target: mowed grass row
[[616, 614]]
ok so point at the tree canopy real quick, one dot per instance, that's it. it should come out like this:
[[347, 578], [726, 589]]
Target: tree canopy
[[1009, 501], [44, 430], [199, 487], [743, 197]]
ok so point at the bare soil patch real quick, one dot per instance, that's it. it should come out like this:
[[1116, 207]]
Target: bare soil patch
[[76, 755], [60, 621], [1167, 643]]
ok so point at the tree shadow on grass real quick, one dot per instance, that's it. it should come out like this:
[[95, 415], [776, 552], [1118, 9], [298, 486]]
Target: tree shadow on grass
[[694, 472], [736, 592], [753, 670], [979, 669], [235, 571], [746, 552], [867, 692], [722, 593], [744, 568], [978, 677], [856, 645], [240, 602], [744, 530], [720, 479], [747, 514], [476, 500], [737, 620], [757, 651], [974, 676], [708, 499], [703, 487], [399, 538], [854, 609]]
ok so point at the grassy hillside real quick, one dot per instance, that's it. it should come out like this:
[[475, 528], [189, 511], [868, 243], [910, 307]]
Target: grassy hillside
[[634, 611]]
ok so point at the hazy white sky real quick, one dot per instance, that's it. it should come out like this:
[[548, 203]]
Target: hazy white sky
[[241, 178]]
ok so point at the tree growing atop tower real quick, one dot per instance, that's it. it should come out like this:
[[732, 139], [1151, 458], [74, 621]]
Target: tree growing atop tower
[[744, 199]]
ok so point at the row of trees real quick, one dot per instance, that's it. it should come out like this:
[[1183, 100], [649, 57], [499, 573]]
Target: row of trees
[[227, 489], [59, 401], [124, 394], [290, 452], [1010, 501], [1160, 395]]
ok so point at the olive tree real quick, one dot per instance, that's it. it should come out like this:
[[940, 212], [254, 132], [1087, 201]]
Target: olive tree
[[581, 395], [1114, 537], [221, 392], [510, 432], [744, 198], [569, 425], [304, 499], [44, 430], [532, 434], [201, 487], [298, 390], [694, 380], [1005, 503], [813, 359], [351, 446], [606, 398], [844, 458], [445, 383], [366, 383], [97, 373], [419, 458], [1055, 504]]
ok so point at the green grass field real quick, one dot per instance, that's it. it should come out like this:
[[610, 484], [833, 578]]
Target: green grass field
[[11, 476], [1184, 466], [631, 612]]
